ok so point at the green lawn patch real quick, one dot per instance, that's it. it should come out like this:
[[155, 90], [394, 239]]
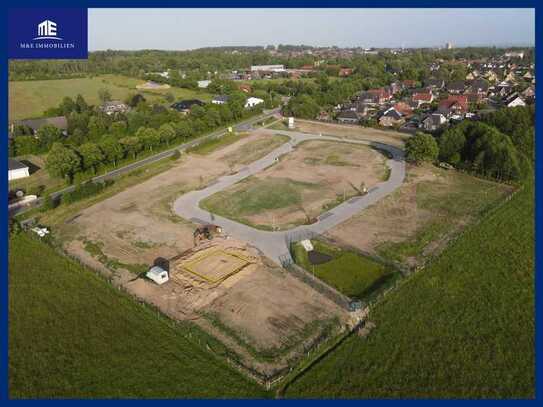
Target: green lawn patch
[[254, 195], [349, 272], [71, 334]]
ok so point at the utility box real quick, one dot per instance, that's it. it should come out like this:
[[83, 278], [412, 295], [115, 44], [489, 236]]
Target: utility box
[[158, 275], [291, 122]]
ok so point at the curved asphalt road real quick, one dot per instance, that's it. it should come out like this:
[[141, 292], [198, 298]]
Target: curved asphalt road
[[274, 244]]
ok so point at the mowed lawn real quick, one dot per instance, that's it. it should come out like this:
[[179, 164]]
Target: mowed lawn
[[71, 334], [462, 328], [28, 99], [351, 273]]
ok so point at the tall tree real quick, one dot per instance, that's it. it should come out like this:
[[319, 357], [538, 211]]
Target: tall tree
[[91, 156], [63, 162]]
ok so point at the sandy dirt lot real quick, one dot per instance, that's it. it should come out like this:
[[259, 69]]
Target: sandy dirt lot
[[354, 132], [262, 307], [316, 175], [136, 225], [258, 310], [432, 205]]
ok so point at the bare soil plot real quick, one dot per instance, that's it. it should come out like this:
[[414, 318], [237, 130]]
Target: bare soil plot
[[316, 176], [421, 216], [213, 265], [351, 131], [137, 225], [261, 312]]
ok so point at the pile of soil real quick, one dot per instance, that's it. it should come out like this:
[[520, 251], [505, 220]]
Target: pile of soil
[[316, 257]]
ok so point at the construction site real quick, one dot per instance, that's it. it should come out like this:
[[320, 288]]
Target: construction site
[[231, 275]]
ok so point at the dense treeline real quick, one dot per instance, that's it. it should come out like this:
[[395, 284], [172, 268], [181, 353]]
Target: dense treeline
[[207, 62], [96, 139], [500, 146]]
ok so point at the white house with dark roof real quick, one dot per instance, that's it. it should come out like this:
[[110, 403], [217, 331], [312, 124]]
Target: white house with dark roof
[[17, 169]]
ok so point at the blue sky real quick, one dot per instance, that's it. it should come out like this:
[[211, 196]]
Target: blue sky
[[179, 29]]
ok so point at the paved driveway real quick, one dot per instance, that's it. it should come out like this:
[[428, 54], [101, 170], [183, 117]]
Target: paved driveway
[[275, 244]]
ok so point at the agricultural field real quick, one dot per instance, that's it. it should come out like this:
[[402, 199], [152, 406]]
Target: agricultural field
[[461, 328], [72, 335], [419, 218], [29, 99], [316, 176], [350, 273]]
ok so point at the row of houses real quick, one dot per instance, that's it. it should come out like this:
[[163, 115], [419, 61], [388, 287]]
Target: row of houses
[[406, 106]]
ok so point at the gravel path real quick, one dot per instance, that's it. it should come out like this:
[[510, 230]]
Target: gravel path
[[275, 244]]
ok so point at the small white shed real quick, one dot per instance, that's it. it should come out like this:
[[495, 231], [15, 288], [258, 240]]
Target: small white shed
[[307, 245], [17, 169], [158, 275], [252, 102]]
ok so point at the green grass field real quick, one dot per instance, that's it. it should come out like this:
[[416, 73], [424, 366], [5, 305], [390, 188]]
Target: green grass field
[[28, 99], [349, 272], [71, 334], [254, 195], [462, 328], [451, 199]]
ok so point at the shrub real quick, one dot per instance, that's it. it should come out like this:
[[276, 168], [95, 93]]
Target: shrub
[[176, 155], [421, 147]]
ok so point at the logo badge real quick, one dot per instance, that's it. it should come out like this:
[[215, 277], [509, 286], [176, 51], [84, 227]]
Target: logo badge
[[47, 30], [47, 34]]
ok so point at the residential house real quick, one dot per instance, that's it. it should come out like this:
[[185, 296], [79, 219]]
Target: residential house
[[382, 94], [479, 86], [404, 109], [184, 106], [348, 117], [390, 117], [369, 98], [433, 83], [17, 169], [220, 99], [422, 97], [528, 76], [433, 121], [474, 97], [59, 122], [252, 102], [529, 92], [453, 105], [456, 87], [245, 88], [114, 106], [513, 100], [491, 76]]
